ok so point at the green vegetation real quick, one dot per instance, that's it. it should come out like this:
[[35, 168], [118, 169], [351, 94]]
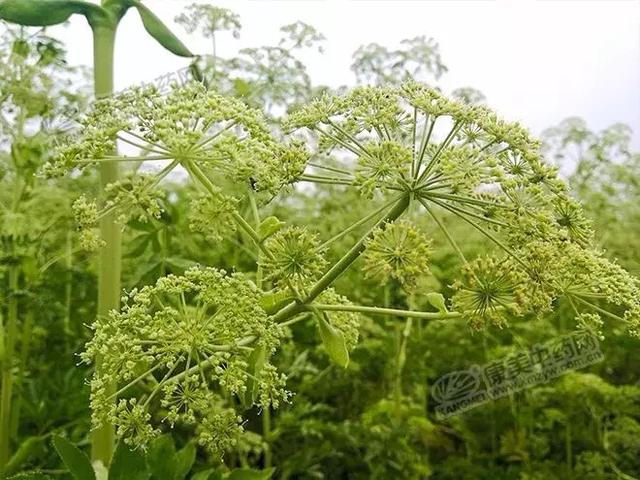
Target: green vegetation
[[286, 310]]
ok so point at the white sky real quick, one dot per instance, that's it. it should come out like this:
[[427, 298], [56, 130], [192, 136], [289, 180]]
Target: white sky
[[537, 61]]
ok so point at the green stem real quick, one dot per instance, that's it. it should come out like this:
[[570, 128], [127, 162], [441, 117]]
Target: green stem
[[25, 349], [384, 311], [569, 450], [68, 285], [7, 365], [452, 241], [359, 223], [341, 265], [103, 438], [266, 434]]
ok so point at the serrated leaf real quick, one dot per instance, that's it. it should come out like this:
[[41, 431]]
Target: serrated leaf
[[185, 458], [161, 458], [437, 300], [158, 30], [179, 264], [333, 341], [128, 464], [138, 246], [75, 460], [43, 13], [250, 474], [269, 226]]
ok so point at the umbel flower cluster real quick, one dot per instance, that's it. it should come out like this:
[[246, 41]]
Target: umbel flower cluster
[[465, 162], [210, 136], [183, 346], [186, 349]]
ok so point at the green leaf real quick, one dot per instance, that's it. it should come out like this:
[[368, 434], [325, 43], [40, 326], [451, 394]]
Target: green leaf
[[334, 342], [185, 458], [142, 226], [30, 476], [161, 458], [75, 460], [272, 302], [27, 448], [256, 362], [138, 246], [128, 464], [158, 30], [179, 265], [269, 226], [203, 475], [437, 301], [209, 474], [42, 13], [250, 474]]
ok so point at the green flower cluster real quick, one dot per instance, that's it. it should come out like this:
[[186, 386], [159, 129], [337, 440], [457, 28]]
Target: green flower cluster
[[465, 162], [135, 198], [212, 215], [189, 125], [398, 251], [486, 293], [182, 346], [86, 217], [295, 258]]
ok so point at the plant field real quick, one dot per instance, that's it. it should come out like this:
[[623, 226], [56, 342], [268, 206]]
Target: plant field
[[236, 272]]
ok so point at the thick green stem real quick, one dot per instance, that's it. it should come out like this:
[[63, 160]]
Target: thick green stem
[[341, 265], [11, 333], [110, 255], [569, 450], [68, 286]]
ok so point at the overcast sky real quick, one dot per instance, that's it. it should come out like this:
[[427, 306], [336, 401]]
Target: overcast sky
[[537, 61]]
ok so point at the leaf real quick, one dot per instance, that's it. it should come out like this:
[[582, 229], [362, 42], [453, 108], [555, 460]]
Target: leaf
[[272, 302], [75, 460], [179, 265], [142, 226], [209, 474], [437, 301], [255, 362], [269, 226], [42, 13], [26, 449], [250, 474], [203, 475], [185, 459], [334, 342], [158, 30], [138, 246], [161, 458], [30, 476], [128, 464]]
